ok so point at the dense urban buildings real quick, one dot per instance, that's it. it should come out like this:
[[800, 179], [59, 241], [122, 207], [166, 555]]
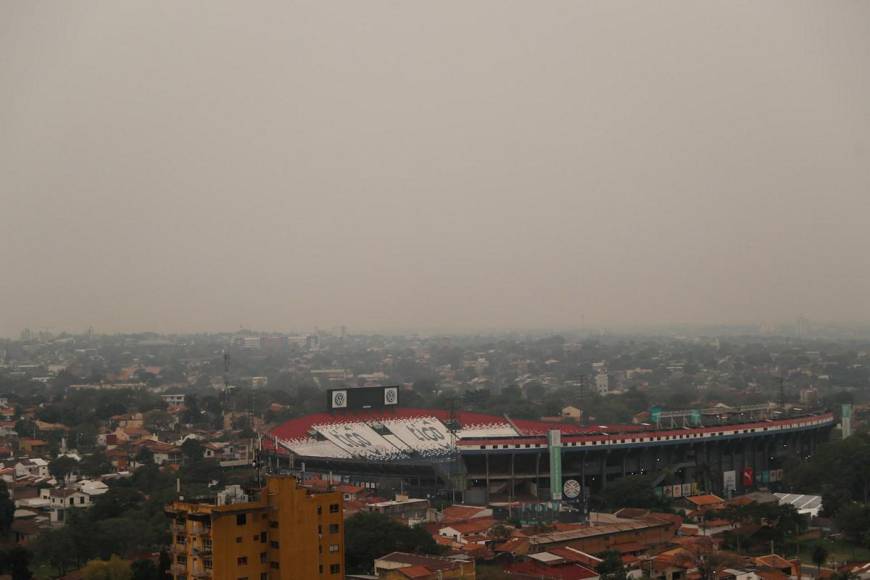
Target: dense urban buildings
[[468, 456]]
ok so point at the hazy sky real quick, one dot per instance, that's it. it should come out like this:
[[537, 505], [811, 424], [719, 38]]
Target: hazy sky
[[183, 166]]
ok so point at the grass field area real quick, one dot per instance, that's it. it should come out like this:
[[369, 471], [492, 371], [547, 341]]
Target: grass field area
[[838, 551]]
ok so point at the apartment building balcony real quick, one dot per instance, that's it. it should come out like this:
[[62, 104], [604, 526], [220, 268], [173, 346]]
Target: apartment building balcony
[[177, 528], [178, 569], [178, 548]]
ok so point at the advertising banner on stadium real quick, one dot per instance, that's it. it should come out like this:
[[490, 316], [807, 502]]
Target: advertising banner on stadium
[[729, 481], [687, 489], [748, 477], [391, 396]]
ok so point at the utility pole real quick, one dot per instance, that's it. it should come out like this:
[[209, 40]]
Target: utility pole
[[782, 390]]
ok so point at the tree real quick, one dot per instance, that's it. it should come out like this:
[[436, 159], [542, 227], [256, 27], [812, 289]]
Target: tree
[[820, 556], [854, 521], [145, 570], [163, 564], [634, 491], [193, 450], [55, 547], [112, 569], [144, 456], [62, 466], [15, 561], [611, 566], [158, 420], [500, 532], [95, 464], [370, 535], [7, 509]]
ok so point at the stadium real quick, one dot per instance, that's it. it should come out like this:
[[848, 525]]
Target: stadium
[[369, 439]]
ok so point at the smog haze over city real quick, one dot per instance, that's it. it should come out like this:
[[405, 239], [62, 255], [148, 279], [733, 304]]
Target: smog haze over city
[[442, 166], [434, 289]]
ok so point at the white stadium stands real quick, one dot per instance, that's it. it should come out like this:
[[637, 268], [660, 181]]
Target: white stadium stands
[[359, 440], [421, 433], [315, 448]]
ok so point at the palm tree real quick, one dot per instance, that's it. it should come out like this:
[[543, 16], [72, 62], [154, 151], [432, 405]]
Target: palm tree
[[820, 555]]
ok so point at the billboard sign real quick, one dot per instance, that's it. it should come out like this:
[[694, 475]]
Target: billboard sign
[[357, 398], [338, 399], [729, 481], [846, 419], [554, 439]]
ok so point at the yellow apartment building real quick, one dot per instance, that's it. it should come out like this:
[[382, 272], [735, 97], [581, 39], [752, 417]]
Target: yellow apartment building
[[288, 532]]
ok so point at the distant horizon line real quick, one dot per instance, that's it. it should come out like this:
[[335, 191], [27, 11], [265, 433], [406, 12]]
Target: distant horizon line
[[750, 328]]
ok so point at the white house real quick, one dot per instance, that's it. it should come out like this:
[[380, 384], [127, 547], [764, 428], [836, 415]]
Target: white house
[[602, 383], [35, 467], [63, 499]]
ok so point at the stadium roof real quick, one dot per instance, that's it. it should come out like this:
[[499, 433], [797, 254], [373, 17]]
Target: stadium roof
[[301, 427]]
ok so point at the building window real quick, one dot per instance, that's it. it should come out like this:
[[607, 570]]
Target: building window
[[333, 528], [273, 544], [321, 569], [241, 519], [273, 524], [333, 508], [263, 559], [264, 576], [182, 559], [319, 529], [81, 500], [334, 568], [239, 540], [242, 561], [262, 537], [333, 548], [319, 509], [274, 565]]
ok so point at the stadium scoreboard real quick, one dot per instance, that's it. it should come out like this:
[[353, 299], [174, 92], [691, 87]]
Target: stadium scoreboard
[[356, 398]]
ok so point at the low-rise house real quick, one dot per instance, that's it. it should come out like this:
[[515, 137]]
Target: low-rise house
[[462, 533], [734, 574], [33, 447], [404, 566], [411, 510], [547, 566], [64, 499], [163, 453], [780, 564], [702, 503], [36, 467]]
